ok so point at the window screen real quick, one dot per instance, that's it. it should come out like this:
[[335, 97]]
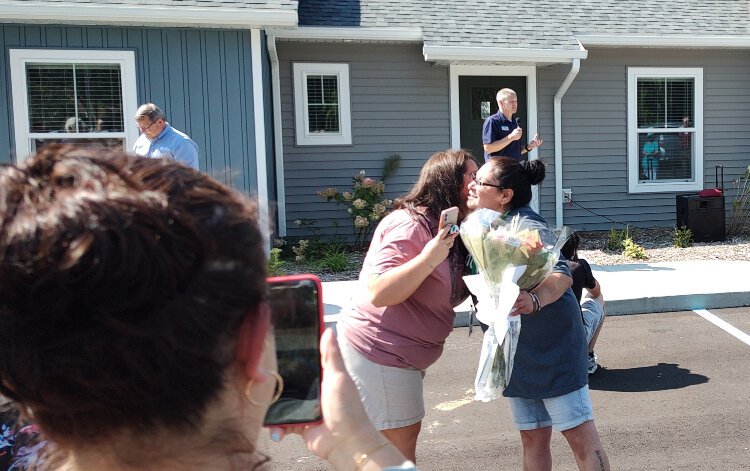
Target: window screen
[[665, 115], [323, 103], [664, 102], [74, 98]]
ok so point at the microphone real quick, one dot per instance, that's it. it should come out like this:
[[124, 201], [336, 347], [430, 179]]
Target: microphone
[[518, 122]]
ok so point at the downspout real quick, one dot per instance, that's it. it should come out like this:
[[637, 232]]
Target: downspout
[[260, 134], [277, 136], [576, 66]]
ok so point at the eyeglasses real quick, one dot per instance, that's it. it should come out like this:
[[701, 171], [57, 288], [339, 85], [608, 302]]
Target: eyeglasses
[[481, 183], [147, 127]]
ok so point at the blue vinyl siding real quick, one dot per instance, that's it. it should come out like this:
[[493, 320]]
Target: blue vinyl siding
[[202, 78]]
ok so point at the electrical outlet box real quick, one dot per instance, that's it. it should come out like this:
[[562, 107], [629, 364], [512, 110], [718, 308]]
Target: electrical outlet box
[[567, 195]]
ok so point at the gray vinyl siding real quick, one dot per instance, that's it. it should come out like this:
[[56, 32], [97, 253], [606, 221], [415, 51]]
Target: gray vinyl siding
[[202, 78], [399, 104], [594, 112]]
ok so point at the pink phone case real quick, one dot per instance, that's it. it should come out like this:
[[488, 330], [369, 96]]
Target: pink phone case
[[448, 216]]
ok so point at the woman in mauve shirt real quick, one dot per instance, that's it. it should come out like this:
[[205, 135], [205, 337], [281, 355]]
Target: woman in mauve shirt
[[411, 280]]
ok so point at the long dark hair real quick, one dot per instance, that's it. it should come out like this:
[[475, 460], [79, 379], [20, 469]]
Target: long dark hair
[[517, 176], [439, 185]]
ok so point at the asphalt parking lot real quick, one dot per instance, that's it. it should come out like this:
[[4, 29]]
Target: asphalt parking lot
[[673, 394]]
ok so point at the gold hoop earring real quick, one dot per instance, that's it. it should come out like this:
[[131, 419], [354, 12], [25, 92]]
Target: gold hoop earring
[[276, 394]]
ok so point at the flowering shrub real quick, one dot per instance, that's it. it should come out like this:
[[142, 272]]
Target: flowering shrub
[[366, 204]]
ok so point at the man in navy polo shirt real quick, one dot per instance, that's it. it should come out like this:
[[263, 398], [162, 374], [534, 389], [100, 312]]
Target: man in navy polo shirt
[[501, 135]]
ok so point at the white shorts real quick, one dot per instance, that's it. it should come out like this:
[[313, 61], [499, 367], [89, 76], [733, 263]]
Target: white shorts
[[593, 314], [392, 397]]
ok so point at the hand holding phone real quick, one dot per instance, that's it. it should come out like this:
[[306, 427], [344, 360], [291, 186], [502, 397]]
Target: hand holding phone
[[297, 316], [449, 217]]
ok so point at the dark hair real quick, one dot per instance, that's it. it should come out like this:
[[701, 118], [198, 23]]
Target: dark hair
[[439, 185], [517, 176], [570, 249], [123, 281]]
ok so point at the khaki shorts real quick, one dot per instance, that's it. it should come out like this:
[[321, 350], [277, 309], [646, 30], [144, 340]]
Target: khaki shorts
[[593, 313], [392, 397]]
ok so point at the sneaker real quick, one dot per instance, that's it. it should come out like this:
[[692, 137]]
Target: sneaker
[[593, 366]]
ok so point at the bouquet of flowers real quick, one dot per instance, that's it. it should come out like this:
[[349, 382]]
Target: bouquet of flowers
[[510, 255]]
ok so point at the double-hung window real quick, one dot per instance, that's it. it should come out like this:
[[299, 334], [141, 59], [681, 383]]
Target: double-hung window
[[665, 129], [321, 104], [85, 97]]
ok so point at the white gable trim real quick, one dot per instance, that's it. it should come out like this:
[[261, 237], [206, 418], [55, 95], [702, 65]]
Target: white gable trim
[[107, 13], [499, 54], [672, 40], [333, 33], [523, 71]]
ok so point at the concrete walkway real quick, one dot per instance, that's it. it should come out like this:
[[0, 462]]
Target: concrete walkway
[[633, 288]]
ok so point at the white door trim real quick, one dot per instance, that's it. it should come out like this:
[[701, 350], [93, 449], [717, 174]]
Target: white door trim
[[496, 70]]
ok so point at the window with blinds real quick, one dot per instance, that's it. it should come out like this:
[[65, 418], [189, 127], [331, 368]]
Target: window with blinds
[[321, 104], [73, 96], [662, 111]]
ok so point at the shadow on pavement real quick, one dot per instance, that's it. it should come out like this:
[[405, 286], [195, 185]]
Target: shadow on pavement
[[645, 378]]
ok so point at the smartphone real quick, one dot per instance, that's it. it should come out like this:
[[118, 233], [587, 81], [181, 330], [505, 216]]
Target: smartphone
[[297, 315], [448, 217]]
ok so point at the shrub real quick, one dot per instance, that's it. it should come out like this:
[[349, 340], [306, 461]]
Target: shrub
[[275, 263], [633, 251], [616, 239], [683, 237], [335, 258], [366, 203]]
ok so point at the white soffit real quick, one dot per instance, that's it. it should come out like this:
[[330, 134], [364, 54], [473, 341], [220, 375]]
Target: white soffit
[[107, 13], [627, 40], [458, 54], [353, 34]]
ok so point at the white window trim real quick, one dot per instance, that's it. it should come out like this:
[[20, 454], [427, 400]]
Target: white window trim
[[18, 60], [634, 73], [303, 136]]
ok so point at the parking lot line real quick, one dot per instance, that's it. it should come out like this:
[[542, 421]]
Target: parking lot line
[[723, 325]]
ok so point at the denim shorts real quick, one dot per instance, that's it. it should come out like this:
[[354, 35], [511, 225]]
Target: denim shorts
[[393, 397], [563, 412], [593, 314]]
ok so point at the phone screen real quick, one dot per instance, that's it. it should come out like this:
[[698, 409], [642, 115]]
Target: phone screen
[[295, 312]]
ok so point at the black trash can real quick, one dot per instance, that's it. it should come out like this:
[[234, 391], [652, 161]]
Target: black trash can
[[703, 215]]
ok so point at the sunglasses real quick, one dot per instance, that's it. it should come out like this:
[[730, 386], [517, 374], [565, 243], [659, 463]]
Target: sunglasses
[[481, 183]]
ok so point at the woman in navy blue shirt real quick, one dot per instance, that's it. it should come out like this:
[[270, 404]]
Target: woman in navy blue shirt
[[549, 385]]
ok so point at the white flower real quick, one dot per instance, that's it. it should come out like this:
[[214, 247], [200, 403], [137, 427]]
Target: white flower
[[359, 203], [362, 172], [361, 222]]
